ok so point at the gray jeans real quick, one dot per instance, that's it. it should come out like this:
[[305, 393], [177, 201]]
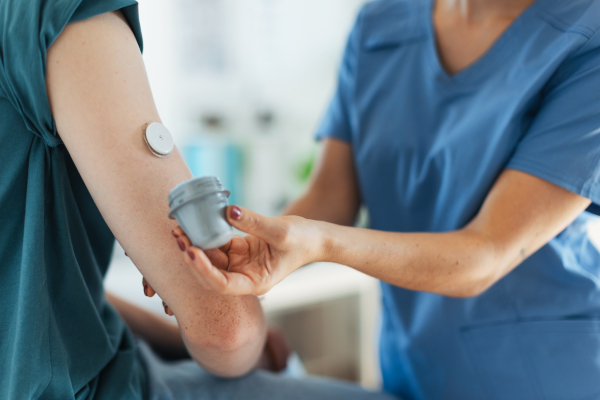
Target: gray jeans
[[183, 380]]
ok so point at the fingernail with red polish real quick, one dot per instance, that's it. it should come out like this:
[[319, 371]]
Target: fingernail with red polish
[[235, 213], [191, 254], [181, 244], [174, 234], [166, 309], [146, 290]]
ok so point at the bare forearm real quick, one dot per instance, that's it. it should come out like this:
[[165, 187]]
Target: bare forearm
[[459, 263], [455, 263], [511, 225]]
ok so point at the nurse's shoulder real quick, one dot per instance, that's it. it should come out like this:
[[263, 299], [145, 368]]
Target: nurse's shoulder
[[389, 23], [582, 17], [579, 41]]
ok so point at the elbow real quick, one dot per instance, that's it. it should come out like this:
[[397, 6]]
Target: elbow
[[468, 290], [481, 266], [473, 281], [234, 340], [239, 351], [230, 352], [476, 282]]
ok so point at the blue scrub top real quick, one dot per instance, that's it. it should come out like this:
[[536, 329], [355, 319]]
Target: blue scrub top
[[59, 338], [428, 147]]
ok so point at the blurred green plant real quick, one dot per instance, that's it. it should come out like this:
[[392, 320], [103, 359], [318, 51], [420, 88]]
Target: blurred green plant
[[305, 167]]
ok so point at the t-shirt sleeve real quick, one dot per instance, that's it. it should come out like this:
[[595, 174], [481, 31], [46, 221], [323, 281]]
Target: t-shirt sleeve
[[27, 30], [338, 120], [562, 145]]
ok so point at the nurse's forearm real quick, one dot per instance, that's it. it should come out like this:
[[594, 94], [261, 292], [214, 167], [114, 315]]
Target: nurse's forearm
[[520, 214], [458, 264]]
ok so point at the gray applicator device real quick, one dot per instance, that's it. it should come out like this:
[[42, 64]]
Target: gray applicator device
[[199, 206]]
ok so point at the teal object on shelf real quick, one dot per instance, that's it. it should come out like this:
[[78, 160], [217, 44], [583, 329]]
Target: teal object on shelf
[[223, 160]]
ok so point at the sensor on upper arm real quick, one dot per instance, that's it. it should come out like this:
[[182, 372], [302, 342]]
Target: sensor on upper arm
[[159, 140]]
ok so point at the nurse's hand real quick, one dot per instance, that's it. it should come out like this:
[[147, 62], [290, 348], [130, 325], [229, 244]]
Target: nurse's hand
[[273, 249]]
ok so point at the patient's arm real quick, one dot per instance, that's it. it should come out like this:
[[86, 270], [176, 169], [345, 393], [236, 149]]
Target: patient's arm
[[101, 99]]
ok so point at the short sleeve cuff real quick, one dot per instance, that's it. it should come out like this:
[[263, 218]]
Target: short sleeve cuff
[[587, 188], [320, 135]]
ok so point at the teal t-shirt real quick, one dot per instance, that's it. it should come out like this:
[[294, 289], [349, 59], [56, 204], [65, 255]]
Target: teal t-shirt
[[59, 337]]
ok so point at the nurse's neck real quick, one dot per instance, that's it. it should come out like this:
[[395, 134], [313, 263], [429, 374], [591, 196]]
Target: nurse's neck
[[466, 29], [478, 11]]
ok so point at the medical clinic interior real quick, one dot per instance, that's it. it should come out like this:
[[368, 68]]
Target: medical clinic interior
[[300, 199]]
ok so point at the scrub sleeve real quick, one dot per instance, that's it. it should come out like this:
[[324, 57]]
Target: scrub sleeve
[[562, 145], [60, 338], [338, 121]]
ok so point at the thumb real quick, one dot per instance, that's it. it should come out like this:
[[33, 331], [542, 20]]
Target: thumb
[[255, 224]]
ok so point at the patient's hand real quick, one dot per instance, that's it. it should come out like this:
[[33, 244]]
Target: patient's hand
[[253, 264]]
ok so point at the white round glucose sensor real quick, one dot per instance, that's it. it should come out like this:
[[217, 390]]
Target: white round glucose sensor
[[159, 140]]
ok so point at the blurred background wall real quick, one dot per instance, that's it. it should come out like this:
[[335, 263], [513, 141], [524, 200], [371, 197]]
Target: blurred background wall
[[242, 84]]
